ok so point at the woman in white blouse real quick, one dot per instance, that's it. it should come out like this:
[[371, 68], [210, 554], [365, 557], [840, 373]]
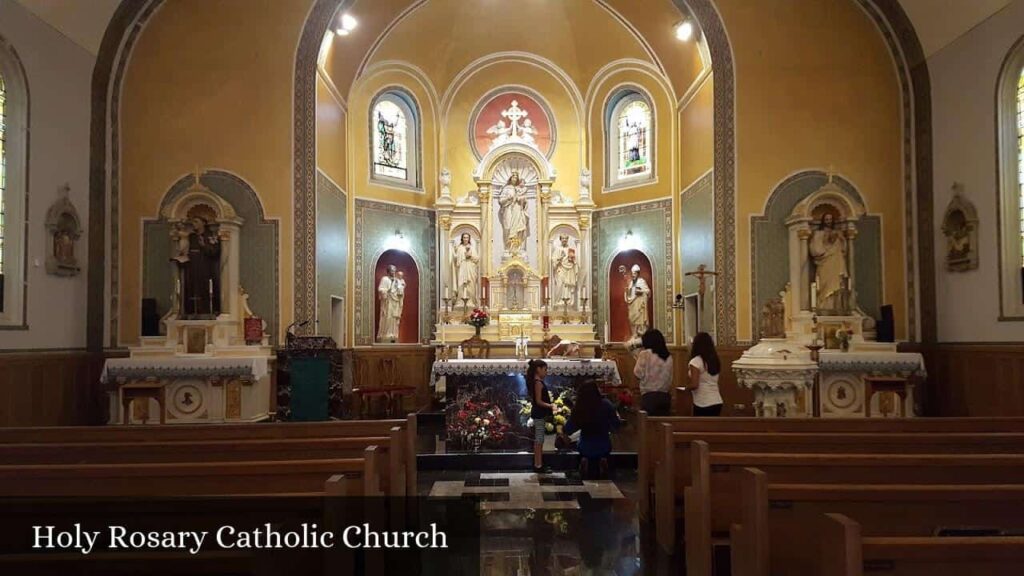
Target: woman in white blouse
[[653, 371], [704, 368]]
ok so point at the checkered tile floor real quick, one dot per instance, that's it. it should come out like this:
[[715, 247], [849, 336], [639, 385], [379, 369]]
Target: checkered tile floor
[[521, 490]]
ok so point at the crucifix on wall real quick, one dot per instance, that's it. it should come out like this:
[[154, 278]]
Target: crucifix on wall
[[701, 273]]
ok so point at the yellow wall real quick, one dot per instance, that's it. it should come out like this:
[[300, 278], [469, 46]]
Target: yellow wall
[[331, 128], [816, 86], [697, 135], [210, 82]]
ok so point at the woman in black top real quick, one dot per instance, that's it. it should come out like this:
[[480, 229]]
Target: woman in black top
[[595, 417], [541, 410]]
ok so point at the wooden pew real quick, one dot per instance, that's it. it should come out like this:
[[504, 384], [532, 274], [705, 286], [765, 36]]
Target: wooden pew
[[709, 483], [60, 452], [846, 552], [650, 436], [779, 528]]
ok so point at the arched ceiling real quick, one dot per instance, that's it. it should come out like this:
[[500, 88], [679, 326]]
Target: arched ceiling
[[443, 37]]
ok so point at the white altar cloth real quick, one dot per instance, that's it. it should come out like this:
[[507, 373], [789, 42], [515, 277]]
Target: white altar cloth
[[254, 368], [903, 363], [606, 369]]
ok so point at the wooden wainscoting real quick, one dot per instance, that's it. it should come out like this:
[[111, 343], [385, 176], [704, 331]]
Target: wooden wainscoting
[[49, 388], [974, 379], [413, 368], [738, 401]]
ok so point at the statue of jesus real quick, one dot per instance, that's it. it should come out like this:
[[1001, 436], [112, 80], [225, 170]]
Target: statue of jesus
[[828, 248], [567, 270], [466, 269], [512, 213]]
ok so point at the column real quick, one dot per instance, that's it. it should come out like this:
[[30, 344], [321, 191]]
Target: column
[[230, 257], [544, 201], [851, 235], [800, 268]]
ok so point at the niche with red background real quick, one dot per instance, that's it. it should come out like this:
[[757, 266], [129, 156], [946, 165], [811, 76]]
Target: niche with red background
[[409, 326], [618, 310]]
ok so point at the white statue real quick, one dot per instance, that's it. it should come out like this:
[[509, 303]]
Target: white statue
[[585, 183], [528, 132], [445, 180], [512, 213], [566, 270], [391, 291], [638, 294], [828, 248], [499, 134], [466, 268]]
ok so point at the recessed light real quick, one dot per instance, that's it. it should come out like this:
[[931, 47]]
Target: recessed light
[[348, 23], [684, 31]]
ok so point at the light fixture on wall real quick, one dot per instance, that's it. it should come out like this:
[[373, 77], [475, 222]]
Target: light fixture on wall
[[684, 31], [629, 241], [348, 24], [398, 241]]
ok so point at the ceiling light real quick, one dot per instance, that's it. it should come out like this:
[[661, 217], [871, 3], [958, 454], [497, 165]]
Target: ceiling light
[[684, 31], [348, 23]]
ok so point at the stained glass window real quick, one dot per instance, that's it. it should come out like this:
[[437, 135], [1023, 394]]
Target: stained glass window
[[634, 132], [1020, 158], [390, 144]]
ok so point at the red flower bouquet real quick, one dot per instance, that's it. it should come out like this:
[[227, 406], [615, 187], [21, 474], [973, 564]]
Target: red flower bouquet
[[479, 318]]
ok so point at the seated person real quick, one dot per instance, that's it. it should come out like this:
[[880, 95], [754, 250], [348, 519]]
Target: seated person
[[563, 348], [595, 418]]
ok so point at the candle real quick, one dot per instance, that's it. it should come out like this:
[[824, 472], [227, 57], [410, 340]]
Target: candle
[[211, 285], [814, 295], [485, 292], [446, 295], [607, 335]]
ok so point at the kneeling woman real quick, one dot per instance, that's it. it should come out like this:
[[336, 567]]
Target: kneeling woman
[[595, 417]]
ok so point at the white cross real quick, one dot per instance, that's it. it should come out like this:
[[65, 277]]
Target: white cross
[[514, 115]]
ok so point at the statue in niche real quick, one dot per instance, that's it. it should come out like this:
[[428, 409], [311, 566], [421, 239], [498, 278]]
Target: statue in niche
[[391, 292], [960, 226], [828, 249], [637, 295], [63, 229], [567, 270], [512, 213], [466, 269], [197, 254]]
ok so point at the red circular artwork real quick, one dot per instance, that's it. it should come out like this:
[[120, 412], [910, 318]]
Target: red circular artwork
[[512, 117]]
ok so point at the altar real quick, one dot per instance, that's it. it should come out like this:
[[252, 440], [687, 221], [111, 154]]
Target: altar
[[188, 390], [819, 355], [487, 400], [209, 362]]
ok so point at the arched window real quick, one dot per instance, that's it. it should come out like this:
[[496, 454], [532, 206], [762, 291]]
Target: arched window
[[13, 130], [394, 128], [1011, 185], [629, 125]]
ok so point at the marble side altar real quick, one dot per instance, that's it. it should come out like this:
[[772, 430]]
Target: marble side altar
[[818, 310], [487, 406], [206, 366]]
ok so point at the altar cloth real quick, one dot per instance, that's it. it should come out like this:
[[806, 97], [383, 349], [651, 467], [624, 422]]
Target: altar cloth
[[252, 368], [606, 369], [902, 363]]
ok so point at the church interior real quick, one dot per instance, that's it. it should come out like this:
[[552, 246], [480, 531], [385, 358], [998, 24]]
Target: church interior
[[508, 257]]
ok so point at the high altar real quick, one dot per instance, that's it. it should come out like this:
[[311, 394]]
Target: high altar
[[819, 356], [210, 364], [515, 246]]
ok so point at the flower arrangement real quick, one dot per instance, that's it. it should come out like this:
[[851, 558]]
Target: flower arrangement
[[479, 318], [623, 401], [480, 422]]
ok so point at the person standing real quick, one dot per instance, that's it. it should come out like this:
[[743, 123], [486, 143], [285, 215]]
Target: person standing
[[653, 371], [704, 368], [541, 410]]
